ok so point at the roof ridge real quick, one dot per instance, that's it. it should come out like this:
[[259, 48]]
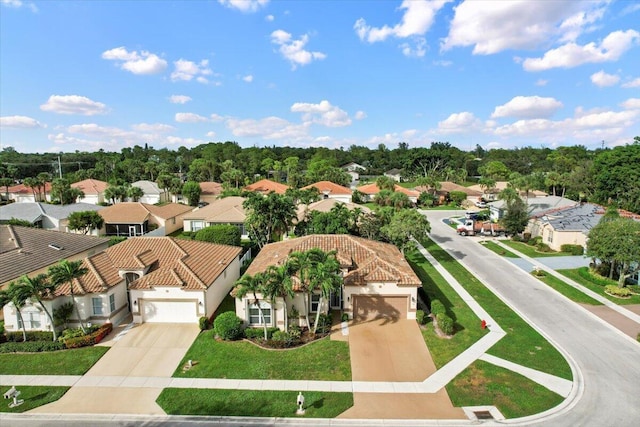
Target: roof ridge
[[176, 276], [14, 236], [95, 271], [192, 273], [177, 246]]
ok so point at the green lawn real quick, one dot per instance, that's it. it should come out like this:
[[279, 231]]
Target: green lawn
[[253, 403], [531, 251], [599, 289], [498, 249], [64, 362], [568, 291], [33, 397], [513, 394], [466, 322], [523, 344], [324, 360]]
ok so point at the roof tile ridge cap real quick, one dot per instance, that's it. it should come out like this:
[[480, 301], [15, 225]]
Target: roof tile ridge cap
[[14, 236], [191, 272], [95, 272], [40, 208]]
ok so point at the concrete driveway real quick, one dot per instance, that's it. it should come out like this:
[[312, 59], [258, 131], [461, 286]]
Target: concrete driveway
[[136, 356]]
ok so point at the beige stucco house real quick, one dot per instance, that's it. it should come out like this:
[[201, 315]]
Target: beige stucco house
[[330, 190], [132, 219], [227, 210]]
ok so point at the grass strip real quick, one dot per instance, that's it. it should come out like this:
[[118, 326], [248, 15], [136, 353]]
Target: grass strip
[[494, 247], [568, 291], [531, 251], [33, 397], [523, 344], [467, 324], [513, 394], [252, 403], [324, 360], [64, 362], [574, 275]]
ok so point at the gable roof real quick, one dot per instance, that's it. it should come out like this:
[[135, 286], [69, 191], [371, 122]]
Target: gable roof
[[23, 189], [32, 212], [168, 210], [535, 205], [580, 217], [227, 209], [209, 188], [26, 249], [366, 260], [90, 186], [188, 264], [328, 187], [394, 171], [265, 186], [137, 212], [373, 189], [148, 187]]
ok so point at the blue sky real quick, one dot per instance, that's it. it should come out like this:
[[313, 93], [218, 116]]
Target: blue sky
[[85, 75]]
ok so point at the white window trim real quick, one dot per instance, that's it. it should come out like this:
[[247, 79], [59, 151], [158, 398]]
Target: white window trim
[[112, 303], [316, 303], [267, 313], [93, 306]]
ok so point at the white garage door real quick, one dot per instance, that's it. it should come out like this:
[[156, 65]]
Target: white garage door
[[169, 311]]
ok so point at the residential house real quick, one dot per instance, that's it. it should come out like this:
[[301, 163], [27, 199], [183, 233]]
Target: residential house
[[325, 205], [21, 193], [266, 186], [157, 279], [227, 210], [93, 190], [491, 194], [394, 174], [330, 190], [210, 191], [446, 187], [378, 281], [45, 215], [132, 219], [370, 191], [535, 205], [152, 193], [354, 170]]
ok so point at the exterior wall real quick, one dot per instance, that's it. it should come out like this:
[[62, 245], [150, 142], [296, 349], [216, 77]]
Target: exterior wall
[[11, 317], [150, 199], [49, 223], [175, 223], [390, 289], [555, 239], [278, 314], [221, 287], [344, 198], [94, 199]]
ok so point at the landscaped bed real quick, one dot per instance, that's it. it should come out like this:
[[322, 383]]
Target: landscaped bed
[[64, 362], [33, 397], [579, 275], [531, 251], [253, 403], [324, 360]]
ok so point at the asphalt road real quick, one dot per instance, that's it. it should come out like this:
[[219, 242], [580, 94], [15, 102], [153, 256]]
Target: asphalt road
[[608, 361]]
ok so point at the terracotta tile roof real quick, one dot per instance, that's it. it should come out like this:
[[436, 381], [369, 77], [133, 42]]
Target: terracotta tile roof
[[168, 210], [25, 249], [225, 210], [373, 189], [448, 187], [137, 212], [23, 189], [90, 186], [188, 264], [267, 186], [325, 205], [210, 188], [329, 187], [366, 260]]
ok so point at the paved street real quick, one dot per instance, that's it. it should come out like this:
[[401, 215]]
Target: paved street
[[607, 359]]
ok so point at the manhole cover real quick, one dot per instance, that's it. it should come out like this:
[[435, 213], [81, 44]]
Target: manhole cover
[[483, 415]]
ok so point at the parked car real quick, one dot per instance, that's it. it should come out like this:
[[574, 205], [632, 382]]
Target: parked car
[[481, 204]]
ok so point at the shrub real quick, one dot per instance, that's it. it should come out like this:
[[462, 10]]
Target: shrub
[[114, 240], [1, 327], [543, 247], [31, 336], [344, 317], [324, 323], [223, 234], [572, 249], [228, 326], [617, 291], [635, 289], [437, 307], [282, 339], [204, 323], [258, 333], [586, 274], [420, 317], [91, 338], [445, 323], [526, 236], [31, 346], [295, 332]]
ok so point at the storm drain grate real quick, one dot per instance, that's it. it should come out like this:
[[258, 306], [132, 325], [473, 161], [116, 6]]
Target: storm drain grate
[[483, 415]]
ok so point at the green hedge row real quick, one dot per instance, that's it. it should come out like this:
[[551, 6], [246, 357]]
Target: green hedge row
[[445, 323], [31, 346], [31, 336], [258, 333]]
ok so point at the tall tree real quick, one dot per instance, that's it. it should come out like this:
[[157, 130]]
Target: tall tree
[[134, 193], [191, 190], [85, 221], [279, 284], [516, 218], [325, 278], [268, 216], [406, 225], [616, 241], [17, 294], [40, 288], [67, 272]]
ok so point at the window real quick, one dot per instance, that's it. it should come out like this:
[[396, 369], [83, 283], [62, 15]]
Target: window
[[315, 301], [197, 225], [97, 305], [550, 236], [112, 303], [31, 320], [255, 316]]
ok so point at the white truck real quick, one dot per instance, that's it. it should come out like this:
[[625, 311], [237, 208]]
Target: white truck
[[471, 227]]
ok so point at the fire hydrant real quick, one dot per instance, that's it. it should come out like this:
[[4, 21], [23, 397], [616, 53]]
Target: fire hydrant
[[483, 324]]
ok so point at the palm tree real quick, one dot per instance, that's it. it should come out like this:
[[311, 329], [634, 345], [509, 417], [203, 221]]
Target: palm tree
[[67, 272], [279, 284], [326, 278], [305, 265], [134, 193], [253, 284], [17, 294], [39, 287]]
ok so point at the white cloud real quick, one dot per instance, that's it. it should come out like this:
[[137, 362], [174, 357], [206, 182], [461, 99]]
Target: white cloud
[[152, 127], [248, 78], [137, 63], [269, 18], [190, 118], [73, 104], [493, 26], [602, 79], [541, 82], [179, 99], [216, 118], [633, 83], [418, 49], [211, 134], [267, 128], [188, 70], [20, 122], [323, 113], [460, 122], [528, 107], [631, 104], [443, 63], [360, 115], [572, 55], [246, 6], [293, 50], [16, 4], [416, 21]]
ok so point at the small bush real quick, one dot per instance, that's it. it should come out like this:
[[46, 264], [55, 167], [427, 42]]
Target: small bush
[[617, 291], [295, 332], [572, 249], [223, 234], [543, 247], [437, 307], [31, 336], [596, 278], [1, 327], [282, 339], [420, 316], [344, 317], [445, 323], [228, 326], [526, 236], [204, 323], [258, 333], [114, 240], [31, 346], [91, 338], [324, 323]]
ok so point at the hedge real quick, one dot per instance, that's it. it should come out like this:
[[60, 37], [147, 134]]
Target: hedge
[[31, 346], [572, 249], [420, 317], [31, 336], [228, 326], [91, 339], [223, 234], [258, 333], [445, 323], [437, 307], [595, 278]]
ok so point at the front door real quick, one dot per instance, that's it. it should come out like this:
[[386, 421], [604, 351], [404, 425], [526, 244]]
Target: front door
[[335, 299], [132, 231]]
